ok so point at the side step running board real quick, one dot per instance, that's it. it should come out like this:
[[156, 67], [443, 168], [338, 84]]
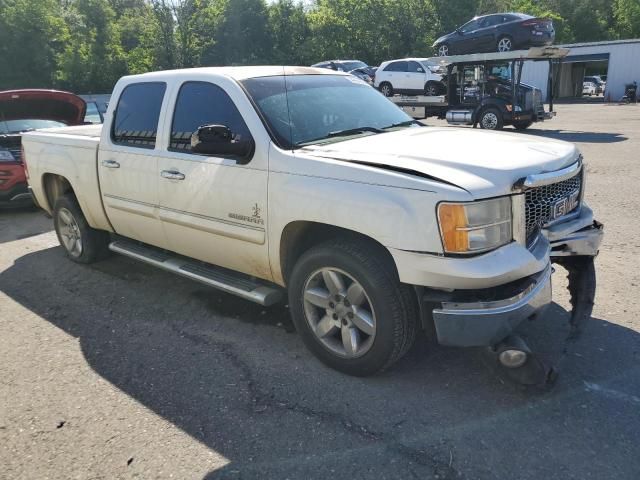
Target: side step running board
[[216, 277]]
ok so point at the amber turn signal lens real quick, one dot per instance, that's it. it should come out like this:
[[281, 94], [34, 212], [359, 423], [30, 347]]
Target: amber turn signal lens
[[453, 219]]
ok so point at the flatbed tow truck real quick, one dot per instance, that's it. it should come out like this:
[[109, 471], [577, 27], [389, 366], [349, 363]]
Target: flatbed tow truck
[[485, 89]]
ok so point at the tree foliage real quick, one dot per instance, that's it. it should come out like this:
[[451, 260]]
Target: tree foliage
[[86, 45]]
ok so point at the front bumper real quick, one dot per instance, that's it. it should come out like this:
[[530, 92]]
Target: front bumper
[[485, 317], [484, 323]]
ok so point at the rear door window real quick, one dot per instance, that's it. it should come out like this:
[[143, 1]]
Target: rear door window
[[199, 104], [135, 122], [396, 67]]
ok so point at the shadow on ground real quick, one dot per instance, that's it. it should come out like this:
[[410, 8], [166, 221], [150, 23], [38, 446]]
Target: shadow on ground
[[232, 376], [20, 223], [577, 137]]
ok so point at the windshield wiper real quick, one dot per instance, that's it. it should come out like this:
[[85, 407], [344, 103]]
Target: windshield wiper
[[341, 133], [406, 123], [353, 131]]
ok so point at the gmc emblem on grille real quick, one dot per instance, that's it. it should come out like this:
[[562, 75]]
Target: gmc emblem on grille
[[566, 204]]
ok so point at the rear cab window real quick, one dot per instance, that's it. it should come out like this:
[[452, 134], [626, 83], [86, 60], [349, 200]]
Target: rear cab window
[[203, 103], [135, 121]]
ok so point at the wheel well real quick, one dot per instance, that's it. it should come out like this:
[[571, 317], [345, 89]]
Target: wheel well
[[300, 236], [54, 187]]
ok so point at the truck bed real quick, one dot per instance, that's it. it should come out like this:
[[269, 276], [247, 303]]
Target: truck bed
[[70, 153]]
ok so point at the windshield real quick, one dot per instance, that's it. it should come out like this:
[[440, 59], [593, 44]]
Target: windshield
[[27, 124], [321, 108], [500, 72]]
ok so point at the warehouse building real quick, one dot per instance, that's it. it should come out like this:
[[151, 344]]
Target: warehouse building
[[619, 60]]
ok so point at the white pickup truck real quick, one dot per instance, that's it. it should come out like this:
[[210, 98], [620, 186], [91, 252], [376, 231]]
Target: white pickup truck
[[262, 181]]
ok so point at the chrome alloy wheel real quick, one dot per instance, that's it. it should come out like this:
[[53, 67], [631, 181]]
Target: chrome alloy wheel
[[339, 312], [443, 50], [489, 121], [69, 232], [505, 45], [386, 90]]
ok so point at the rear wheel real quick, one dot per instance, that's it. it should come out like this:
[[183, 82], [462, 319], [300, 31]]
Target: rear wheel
[[386, 89], [490, 119], [505, 44], [350, 308], [81, 243]]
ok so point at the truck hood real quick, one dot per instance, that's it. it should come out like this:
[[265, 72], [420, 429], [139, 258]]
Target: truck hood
[[485, 164], [42, 104]]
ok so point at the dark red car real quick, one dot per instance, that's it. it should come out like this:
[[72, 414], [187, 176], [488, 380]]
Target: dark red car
[[22, 111]]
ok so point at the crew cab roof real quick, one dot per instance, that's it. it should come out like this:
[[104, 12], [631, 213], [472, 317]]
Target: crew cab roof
[[236, 73]]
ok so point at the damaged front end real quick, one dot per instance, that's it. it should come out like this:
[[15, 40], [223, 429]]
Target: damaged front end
[[551, 221], [575, 252], [574, 239]]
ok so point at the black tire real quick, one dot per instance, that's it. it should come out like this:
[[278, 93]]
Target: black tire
[[395, 304], [386, 89], [432, 89], [94, 243], [496, 122], [522, 125]]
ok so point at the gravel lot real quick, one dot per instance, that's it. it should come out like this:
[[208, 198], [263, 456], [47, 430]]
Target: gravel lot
[[118, 370]]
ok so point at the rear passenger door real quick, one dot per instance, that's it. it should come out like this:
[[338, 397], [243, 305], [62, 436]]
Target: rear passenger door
[[127, 165], [214, 208]]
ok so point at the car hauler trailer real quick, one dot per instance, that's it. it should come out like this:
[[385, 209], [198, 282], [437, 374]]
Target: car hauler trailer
[[485, 89]]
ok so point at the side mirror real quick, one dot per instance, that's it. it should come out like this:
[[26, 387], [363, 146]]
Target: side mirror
[[219, 140]]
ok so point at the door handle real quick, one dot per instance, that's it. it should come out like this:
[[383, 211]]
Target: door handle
[[172, 174], [110, 164]]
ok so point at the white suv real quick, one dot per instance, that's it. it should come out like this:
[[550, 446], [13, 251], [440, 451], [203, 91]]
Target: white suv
[[410, 76]]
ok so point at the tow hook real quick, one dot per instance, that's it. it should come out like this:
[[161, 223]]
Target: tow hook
[[513, 359]]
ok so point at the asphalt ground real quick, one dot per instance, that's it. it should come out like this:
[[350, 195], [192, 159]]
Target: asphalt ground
[[119, 370]]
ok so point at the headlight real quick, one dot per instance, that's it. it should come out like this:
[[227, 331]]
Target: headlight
[[474, 227], [6, 156]]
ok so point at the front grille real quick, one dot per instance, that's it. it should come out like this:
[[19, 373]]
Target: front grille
[[541, 201]]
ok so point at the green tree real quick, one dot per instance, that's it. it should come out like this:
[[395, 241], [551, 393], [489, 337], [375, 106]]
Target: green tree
[[626, 15], [93, 59], [32, 37], [289, 30]]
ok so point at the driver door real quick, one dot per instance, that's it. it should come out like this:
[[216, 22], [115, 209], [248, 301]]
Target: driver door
[[214, 208]]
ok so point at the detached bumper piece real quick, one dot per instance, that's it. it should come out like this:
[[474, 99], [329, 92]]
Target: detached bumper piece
[[486, 322]]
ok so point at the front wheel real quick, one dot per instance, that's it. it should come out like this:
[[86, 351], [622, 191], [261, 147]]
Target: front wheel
[[443, 50], [350, 308], [431, 89], [81, 243], [490, 119]]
